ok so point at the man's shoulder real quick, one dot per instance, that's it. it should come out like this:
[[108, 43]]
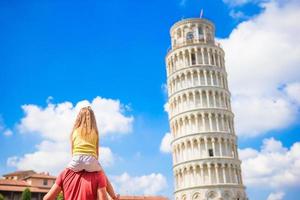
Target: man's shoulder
[[64, 172], [68, 171]]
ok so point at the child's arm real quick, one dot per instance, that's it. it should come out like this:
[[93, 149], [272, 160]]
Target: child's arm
[[110, 190]]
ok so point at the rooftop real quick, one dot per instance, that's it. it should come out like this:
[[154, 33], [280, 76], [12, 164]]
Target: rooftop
[[19, 173], [19, 186], [42, 175], [190, 20]]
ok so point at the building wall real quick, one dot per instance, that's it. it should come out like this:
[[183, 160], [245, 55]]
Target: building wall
[[40, 182]]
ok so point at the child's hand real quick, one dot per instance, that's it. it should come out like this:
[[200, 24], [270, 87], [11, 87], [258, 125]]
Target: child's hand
[[117, 197]]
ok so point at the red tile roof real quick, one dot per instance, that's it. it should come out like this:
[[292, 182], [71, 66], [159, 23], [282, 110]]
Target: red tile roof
[[20, 173], [22, 188], [13, 182], [19, 186], [43, 176]]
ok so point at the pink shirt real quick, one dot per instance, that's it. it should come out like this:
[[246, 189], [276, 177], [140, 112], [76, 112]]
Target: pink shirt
[[80, 185]]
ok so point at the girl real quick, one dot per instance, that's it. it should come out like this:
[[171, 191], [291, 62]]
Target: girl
[[85, 145]]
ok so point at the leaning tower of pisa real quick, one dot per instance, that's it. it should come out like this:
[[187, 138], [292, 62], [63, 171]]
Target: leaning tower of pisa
[[204, 145]]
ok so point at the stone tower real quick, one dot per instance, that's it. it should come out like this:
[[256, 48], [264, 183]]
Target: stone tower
[[204, 145]]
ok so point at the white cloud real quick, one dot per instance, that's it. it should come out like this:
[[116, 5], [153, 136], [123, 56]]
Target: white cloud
[[7, 132], [293, 91], [232, 3], [238, 2], [147, 184], [274, 166], [165, 145], [262, 55], [256, 115], [54, 123], [271, 145], [247, 153], [276, 196], [43, 158], [164, 88], [166, 107], [106, 156], [237, 14]]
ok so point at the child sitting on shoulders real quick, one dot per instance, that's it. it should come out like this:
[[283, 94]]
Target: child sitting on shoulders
[[85, 146]]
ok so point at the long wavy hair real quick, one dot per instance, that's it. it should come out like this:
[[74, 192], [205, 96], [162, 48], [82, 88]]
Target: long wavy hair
[[85, 124]]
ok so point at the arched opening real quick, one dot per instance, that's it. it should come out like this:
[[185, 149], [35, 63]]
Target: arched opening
[[189, 36]]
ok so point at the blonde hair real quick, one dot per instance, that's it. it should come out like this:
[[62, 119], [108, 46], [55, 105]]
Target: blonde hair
[[85, 123]]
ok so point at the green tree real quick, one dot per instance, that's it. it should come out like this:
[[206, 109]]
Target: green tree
[[1, 197], [60, 196], [26, 194]]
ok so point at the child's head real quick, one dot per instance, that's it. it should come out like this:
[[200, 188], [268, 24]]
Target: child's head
[[85, 123]]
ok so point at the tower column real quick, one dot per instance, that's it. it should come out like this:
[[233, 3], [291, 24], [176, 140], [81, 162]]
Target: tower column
[[208, 55], [206, 148], [196, 56], [211, 78], [236, 178], [202, 56], [210, 122], [192, 79], [217, 79], [220, 146], [224, 174], [203, 122], [240, 174], [190, 57], [209, 173], [198, 75], [194, 176], [202, 174], [217, 123], [229, 174], [201, 99], [213, 146], [222, 122], [217, 173], [205, 77], [214, 100], [207, 98]]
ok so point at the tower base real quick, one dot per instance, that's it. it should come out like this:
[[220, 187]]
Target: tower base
[[212, 192]]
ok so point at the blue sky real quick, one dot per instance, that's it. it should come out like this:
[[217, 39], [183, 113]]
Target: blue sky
[[54, 52]]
